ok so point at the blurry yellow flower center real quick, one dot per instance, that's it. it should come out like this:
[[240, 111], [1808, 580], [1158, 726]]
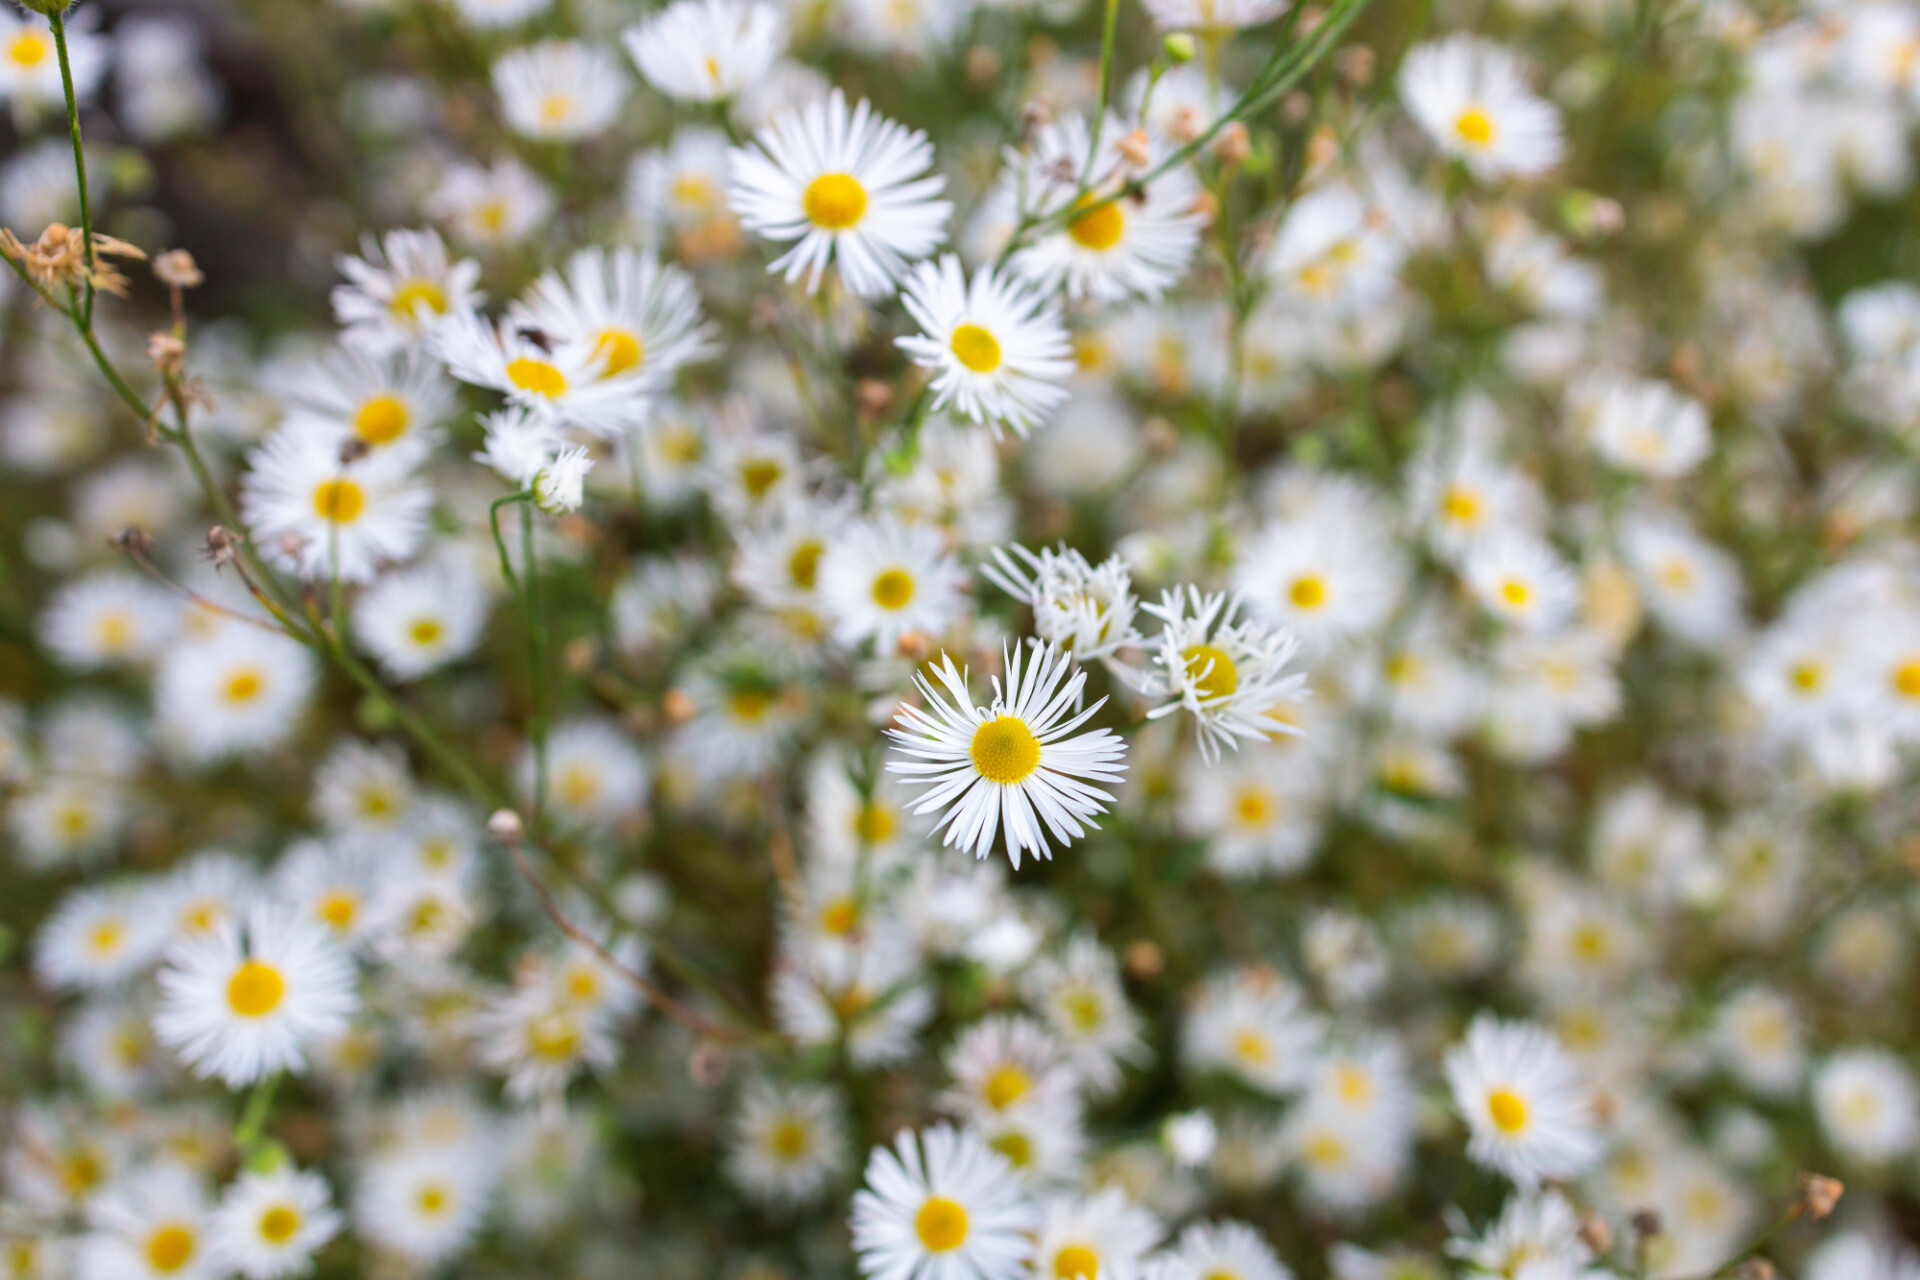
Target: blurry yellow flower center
[[694, 189], [713, 69], [170, 1248], [491, 216], [840, 917], [750, 705], [835, 201], [1474, 126], [1083, 1008], [432, 1199], [255, 989], [1326, 1151], [681, 444], [381, 420], [893, 589], [244, 685], [1211, 670], [1352, 1084], [425, 631], [759, 475], [874, 823], [1906, 678], [116, 629], [552, 1038], [75, 822], [1252, 807], [1098, 228], [1508, 1109], [1006, 1086], [941, 1224], [1806, 676], [578, 786], [106, 936], [975, 348], [1515, 592], [1462, 505], [556, 107], [409, 297], [788, 1140], [537, 376], [619, 351], [278, 1224], [1076, 1262], [1015, 1146], [1004, 750], [338, 909], [81, 1171], [804, 564], [339, 500], [1309, 591], [29, 49], [1251, 1046]]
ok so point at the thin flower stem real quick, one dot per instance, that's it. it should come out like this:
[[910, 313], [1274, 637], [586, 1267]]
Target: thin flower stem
[[57, 21], [253, 1119], [537, 662]]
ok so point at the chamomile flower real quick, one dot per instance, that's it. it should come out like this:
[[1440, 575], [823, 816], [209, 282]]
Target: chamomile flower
[[1076, 989], [270, 1224], [491, 206], [847, 185], [1086, 610], [1254, 810], [98, 937], [421, 618], [1867, 1104], [327, 513], [1017, 763], [1229, 675], [558, 90], [240, 1004], [1085, 1237], [1530, 1113], [1471, 98], [392, 402], [561, 382], [639, 316], [400, 288], [998, 352], [335, 884], [789, 1142], [880, 581], [243, 690], [595, 775], [1645, 426], [151, 1226], [1254, 1024], [940, 1205], [424, 1202], [107, 619], [707, 50], [1325, 580], [1519, 579], [539, 1042], [1004, 1063], [31, 66]]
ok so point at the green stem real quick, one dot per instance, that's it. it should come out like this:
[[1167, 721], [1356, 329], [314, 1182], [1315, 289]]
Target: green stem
[[57, 21], [537, 661], [1109, 29], [259, 1106]]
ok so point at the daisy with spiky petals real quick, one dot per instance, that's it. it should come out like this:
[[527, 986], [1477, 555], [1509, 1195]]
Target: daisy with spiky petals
[[884, 579], [1086, 609], [1108, 249], [640, 318], [845, 183], [560, 383], [399, 289], [1522, 1096], [1230, 675], [559, 90], [241, 1005], [1471, 98], [998, 351], [1013, 760], [328, 513], [271, 1223], [380, 402], [707, 50], [940, 1206]]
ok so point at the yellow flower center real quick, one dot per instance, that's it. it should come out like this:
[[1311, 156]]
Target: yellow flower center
[[1352, 1084], [537, 376], [1508, 1109], [75, 822], [577, 786], [840, 917], [255, 989], [1807, 676], [337, 909], [1211, 670], [1309, 591], [893, 589], [555, 108], [804, 564], [426, 631], [1252, 1047], [941, 1224], [1462, 505], [553, 1037], [757, 475], [28, 49], [170, 1248], [116, 629], [619, 351], [1076, 1262], [1084, 1009], [835, 201], [1015, 1146], [278, 1224], [875, 823], [1326, 1151], [106, 937], [432, 1199], [1906, 678], [1516, 592], [245, 685], [1006, 1086], [1474, 127], [750, 705], [1253, 807], [788, 1140], [412, 295], [339, 500], [975, 348], [1099, 228], [381, 420], [1004, 750]]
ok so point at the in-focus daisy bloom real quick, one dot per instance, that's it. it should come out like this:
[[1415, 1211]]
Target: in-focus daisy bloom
[[849, 186], [707, 50], [241, 1004], [997, 351], [1472, 99], [639, 317], [1529, 1111], [325, 512], [1017, 762], [559, 90], [940, 1206], [1230, 675], [882, 581], [270, 1224], [399, 288], [1087, 610]]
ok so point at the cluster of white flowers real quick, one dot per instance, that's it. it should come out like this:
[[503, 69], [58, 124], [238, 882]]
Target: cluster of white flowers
[[950, 641]]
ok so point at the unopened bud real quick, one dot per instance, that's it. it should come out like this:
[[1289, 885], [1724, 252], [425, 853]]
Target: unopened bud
[[677, 706], [707, 1064], [1233, 144], [177, 270], [874, 395], [1144, 961], [166, 353], [1818, 1195], [1135, 149], [222, 544], [1596, 1233], [1179, 47], [506, 827], [134, 539]]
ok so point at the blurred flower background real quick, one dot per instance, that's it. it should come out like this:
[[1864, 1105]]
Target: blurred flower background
[[959, 639]]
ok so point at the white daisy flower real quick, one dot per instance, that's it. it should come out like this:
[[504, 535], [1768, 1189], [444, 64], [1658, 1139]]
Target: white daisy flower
[[150, 1226], [1008, 762], [1645, 426], [242, 1004], [1323, 579], [595, 775], [1084, 609], [395, 401], [1003, 1063], [707, 50], [1228, 1250], [883, 580], [243, 690], [495, 15], [558, 90], [998, 352], [1213, 17], [1530, 1113], [1231, 676], [684, 189], [540, 1042], [1853, 1256], [1520, 579], [270, 1224], [491, 206], [335, 884], [107, 618], [98, 937], [642, 318], [789, 1142], [1471, 98], [424, 1202], [326, 513], [1254, 1024], [399, 289], [560, 383], [1867, 1104], [1076, 988], [1086, 1237], [30, 75], [848, 185], [421, 618], [940, 1205]]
